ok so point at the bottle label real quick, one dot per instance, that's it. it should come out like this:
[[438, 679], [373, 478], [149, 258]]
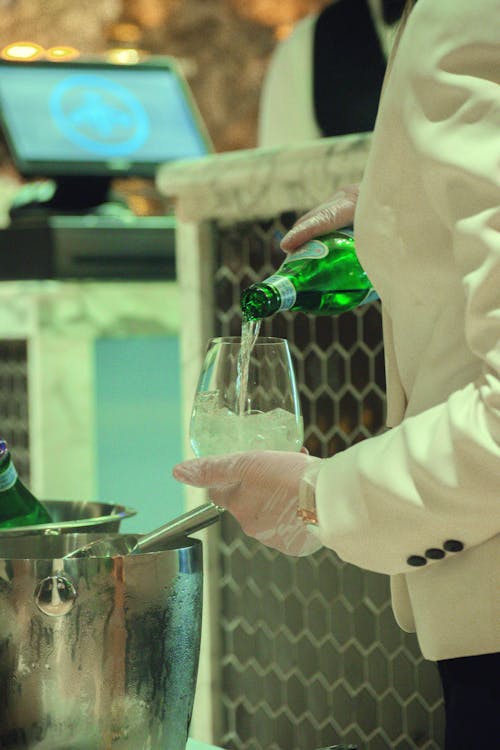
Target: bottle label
[[312, 249], [285, 289], [8, 478]]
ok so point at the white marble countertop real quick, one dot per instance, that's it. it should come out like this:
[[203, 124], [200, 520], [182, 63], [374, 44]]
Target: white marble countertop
[[263, 182]]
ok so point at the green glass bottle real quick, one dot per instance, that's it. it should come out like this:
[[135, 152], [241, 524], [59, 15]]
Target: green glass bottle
[[18, 507], [323, 277]]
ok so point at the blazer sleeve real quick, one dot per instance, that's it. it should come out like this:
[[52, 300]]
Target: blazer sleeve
[[436, 476], [286, 111]]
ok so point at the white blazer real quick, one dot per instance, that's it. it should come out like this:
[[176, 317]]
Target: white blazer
[[286, 107], [422, 501]]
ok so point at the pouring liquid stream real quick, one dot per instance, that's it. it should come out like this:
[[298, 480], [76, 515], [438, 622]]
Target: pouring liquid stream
[[249, 334]]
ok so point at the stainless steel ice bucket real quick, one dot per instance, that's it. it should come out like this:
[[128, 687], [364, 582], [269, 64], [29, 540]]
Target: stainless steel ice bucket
[[97, 653]]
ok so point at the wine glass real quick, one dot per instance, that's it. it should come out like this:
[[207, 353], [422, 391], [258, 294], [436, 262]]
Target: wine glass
[[246, 398]]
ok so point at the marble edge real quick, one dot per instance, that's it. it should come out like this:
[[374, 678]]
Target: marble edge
[[261, 182]]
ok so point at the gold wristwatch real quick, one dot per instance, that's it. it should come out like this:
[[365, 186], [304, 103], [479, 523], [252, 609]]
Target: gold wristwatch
[[307, 496]]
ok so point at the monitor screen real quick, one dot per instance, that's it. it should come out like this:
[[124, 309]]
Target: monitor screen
[[98, 118]]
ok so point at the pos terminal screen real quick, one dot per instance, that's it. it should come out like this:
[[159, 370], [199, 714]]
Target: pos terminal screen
[[98, 118]]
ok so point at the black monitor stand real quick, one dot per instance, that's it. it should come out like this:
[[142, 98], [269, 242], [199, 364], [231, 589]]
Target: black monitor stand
[[69, 195], [80, 194]]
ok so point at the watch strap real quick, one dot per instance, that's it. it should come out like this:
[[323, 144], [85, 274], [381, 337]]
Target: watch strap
[[307, 494]]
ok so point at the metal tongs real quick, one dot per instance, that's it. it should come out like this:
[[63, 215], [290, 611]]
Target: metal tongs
[[131, 544]]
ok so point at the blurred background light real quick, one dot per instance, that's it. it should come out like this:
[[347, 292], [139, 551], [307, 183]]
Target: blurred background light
[[61, 53], [22, 51]]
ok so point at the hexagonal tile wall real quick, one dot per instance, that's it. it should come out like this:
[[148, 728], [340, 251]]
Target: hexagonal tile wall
[[312, 655]]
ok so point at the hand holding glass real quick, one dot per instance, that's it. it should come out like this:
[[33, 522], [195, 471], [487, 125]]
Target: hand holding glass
[[246, 404]]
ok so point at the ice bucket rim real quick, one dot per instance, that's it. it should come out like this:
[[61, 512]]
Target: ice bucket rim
[[56, 527], [189, 546]]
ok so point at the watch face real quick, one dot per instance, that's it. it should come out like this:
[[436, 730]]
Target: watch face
[[307, 499], [309, 517]]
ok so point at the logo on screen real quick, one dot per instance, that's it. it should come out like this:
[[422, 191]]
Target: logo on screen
[[99, 115]]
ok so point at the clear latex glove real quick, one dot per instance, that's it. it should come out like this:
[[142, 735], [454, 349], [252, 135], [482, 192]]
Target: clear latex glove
[[334, 213], [261, 490]]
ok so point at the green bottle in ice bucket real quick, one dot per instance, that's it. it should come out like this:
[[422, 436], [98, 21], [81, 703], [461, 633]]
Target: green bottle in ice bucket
[[18, 507], [323, 277]]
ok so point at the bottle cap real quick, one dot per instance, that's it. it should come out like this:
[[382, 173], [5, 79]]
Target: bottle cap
[[4, 448]]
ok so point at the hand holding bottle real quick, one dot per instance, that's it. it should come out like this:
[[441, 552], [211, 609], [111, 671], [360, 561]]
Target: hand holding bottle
[[334, 213], [322, 277], [261, 490]]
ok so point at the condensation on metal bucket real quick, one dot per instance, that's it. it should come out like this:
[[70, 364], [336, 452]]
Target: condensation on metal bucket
[[99, 652], [73, 516]]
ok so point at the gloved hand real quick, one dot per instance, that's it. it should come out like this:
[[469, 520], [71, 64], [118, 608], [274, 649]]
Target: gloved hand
[[334, 213], [261, 490]]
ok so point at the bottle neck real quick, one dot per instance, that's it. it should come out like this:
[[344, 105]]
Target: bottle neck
[[260, 300], [8, 476]]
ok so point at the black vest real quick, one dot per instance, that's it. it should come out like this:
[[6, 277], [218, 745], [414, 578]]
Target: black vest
[[348, 68]]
